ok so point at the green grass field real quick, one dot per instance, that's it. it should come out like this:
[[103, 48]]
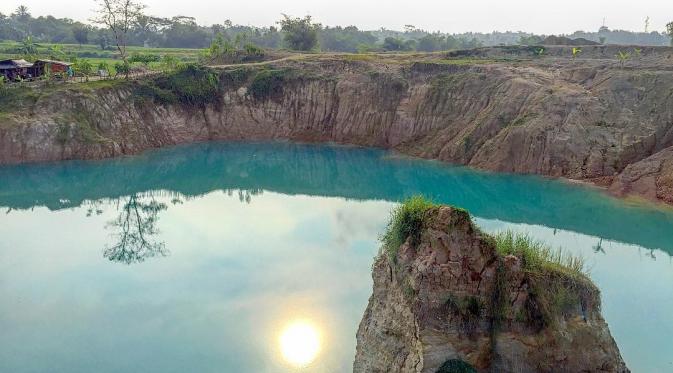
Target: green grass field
[[93, 53]]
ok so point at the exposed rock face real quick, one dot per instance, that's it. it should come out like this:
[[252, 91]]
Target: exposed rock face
[[453, 297], [652, 177], [581, 119]]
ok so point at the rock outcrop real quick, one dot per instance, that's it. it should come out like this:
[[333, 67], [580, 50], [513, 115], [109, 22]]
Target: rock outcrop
[[453, 298], [651, 177], [584, 118]]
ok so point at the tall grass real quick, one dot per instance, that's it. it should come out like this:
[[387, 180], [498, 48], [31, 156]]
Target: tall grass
[[406, 222], [559, 282], [536, 255]]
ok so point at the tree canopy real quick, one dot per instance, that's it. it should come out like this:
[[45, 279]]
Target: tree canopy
[[295, 33], [300, 34]]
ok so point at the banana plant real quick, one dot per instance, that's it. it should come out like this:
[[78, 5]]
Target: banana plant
[[576, 52], [623, 57], [28, 47], [56, 52], [540, 52]]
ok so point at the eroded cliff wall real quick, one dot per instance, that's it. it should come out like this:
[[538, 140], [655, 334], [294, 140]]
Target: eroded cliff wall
[[582, 119]]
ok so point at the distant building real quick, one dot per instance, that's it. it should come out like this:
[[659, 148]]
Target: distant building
[[40, 67], [15, 69]]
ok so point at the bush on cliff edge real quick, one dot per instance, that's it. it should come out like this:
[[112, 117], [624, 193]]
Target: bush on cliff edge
[[406, 221]]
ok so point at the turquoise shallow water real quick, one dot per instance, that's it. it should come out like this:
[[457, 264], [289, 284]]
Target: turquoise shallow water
[[197, 258]]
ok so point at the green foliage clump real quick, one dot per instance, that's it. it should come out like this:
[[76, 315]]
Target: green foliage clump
[[189, 85], [300, 34], [392, 44], [235, 77], [83, 67], [122, 68], [157, 95], [559, 281], [145, 59], [223, 51], [268, 84], [406, 222], [192, 85]]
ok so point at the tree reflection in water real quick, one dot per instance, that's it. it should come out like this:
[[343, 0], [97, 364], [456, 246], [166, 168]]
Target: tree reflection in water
[[135, 228]]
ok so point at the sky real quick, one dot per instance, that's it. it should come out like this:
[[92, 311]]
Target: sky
[[541, 16]]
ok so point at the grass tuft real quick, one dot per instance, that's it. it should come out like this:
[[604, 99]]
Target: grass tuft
[[536, 255], [560, 284], [405, 223]]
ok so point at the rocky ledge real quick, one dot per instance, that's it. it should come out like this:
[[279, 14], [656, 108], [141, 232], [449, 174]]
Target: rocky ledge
[[449, 300]]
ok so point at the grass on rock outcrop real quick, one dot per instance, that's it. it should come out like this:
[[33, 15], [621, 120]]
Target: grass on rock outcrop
[[559, 282]]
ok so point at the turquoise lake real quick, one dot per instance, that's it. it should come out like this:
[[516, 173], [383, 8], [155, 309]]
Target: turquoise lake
[[200, 258]]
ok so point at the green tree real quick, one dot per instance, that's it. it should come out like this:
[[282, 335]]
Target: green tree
[[300, 33], [392, 44], [669, 31], [119, 16], [103, 41], [135, 230], [431, 43], [22, 14], [81, 34], [530, 40]]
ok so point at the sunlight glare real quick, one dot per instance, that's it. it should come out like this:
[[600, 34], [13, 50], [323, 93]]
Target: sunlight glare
[[300, 343]]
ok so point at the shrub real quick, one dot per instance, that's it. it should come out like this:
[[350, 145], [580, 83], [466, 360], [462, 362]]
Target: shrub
[[253, 50], [268, 84], [156, 94], [122, 68], [235, 77], [169, 63], [406, 222], [192, 85], [145, 59], [83, 67]]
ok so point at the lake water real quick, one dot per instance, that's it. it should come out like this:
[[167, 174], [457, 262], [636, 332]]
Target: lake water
[[257, 257]]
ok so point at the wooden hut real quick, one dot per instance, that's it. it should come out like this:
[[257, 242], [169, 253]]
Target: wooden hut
[[40, 67], [16, 69]]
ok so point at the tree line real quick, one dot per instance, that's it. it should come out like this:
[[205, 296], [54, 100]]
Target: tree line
[[289, 32]]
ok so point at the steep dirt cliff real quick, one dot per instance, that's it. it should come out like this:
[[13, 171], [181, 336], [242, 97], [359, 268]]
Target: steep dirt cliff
[[584, 118], [450, 299]]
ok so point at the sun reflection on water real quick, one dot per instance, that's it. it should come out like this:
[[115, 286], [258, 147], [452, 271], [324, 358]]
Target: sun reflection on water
[[300, 343]]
